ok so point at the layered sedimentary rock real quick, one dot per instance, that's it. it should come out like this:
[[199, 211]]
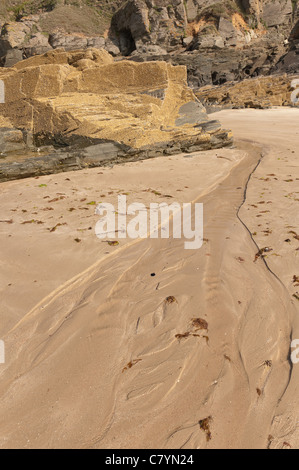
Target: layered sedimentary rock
[[261, 92], [128, 110]]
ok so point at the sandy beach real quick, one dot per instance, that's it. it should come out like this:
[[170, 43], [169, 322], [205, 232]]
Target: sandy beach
[[146, 344]]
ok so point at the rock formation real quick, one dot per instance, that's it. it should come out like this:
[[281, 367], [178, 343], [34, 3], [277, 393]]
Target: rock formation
[[218, 41], [197, 24], [261, 92], [33, 27], [126, 110]]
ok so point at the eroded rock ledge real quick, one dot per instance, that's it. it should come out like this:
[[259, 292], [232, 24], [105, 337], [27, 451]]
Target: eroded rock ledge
[[101, 111], [260, 93]]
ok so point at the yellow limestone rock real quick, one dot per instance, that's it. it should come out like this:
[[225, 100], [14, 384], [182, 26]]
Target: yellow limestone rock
[[261, 92], [65, 96]]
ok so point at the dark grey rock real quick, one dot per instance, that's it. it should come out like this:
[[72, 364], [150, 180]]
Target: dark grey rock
[[106, 154], [11, 140], [12, 57], [191, 113], [210, 126], [68, 42]]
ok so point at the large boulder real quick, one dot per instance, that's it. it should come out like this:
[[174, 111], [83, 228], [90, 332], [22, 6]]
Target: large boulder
[[12, 35], [277, 12], [81, 98], [19, 40], [75, 41], [269, 12]]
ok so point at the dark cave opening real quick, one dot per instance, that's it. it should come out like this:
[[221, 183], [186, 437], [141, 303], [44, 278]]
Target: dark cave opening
[[126, 42], [218, 79]]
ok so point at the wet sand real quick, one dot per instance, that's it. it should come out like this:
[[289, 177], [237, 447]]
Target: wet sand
[[100, 354]]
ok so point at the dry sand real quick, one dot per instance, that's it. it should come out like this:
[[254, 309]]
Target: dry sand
[[92, 357]]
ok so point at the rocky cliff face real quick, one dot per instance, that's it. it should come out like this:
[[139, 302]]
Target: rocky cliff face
[[121, 110], [198, 23], [218, 41]]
